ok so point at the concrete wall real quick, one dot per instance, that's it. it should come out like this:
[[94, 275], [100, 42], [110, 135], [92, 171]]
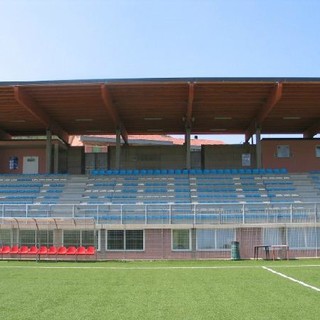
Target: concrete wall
[[227, 156], [76, 160], [149, 157], [302, 155]]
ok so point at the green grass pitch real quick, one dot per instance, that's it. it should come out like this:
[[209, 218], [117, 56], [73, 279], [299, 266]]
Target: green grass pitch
[[159, 290]]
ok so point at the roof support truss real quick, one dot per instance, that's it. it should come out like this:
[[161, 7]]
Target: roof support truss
[[107, 101], [312, 130], [271, 102], [4, 135], [32, 107]]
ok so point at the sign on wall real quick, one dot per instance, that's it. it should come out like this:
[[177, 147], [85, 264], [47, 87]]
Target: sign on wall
[[246, 159]]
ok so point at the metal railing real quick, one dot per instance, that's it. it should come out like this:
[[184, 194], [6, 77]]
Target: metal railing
[[187, 213]]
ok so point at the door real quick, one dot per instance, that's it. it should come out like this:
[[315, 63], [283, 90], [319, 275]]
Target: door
[[30, 165]]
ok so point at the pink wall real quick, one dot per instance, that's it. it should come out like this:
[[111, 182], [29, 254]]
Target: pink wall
[[20, 152], [158, 246], [302, 154]]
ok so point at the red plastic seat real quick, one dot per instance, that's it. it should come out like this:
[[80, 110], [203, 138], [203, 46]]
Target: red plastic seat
[[24, 250], [14, 250], [71, 250], [91, 251], [52, 250], [5, 250], [43, 250], [81, 251], [33, 250], [62, 250]]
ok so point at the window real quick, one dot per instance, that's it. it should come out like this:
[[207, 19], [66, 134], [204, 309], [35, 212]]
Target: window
[[181, 240], [214, 239], [71, 238], [317, 151], [79, 238], [275, 236], [45, 238], [125, 240], [115, 240], [303, 238], [283, 151], [5, 237]]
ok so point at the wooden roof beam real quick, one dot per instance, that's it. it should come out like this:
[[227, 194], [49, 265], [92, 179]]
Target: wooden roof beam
[[107, 101], [4, 135], [32, 107], [312, 130], [273, 99], [188, 119]]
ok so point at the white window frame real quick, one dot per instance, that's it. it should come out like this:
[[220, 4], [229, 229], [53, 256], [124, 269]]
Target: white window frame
[[215, 240], [303, 231]]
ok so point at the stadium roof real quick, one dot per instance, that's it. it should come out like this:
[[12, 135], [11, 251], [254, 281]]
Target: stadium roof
[[161, 106]]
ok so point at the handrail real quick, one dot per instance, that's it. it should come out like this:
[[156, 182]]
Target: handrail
[[180, 213]]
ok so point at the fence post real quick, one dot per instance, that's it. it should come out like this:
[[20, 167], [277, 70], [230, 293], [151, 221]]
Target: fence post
[[243, 217], [145, 214]]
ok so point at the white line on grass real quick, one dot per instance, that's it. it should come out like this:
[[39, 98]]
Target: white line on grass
[[292, 279], [145, 268], [128, 268]]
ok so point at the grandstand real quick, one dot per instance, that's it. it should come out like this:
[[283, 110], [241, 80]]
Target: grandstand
[[159, 201]]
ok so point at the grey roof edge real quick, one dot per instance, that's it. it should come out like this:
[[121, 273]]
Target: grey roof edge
[[85, 138], [160, 80]]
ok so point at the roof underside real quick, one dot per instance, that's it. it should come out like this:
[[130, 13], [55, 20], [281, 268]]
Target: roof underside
[[161, 106]]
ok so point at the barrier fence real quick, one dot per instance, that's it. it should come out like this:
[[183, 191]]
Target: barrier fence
[[196, 214]]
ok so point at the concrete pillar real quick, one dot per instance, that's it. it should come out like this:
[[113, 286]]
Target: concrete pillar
[[258, 148], [118, 148], [56, 158], [188, 148], [57, 237], [48, 151], [102, 244]]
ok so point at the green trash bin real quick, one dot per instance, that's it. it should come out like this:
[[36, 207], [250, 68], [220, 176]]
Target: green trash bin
[[235, 250]]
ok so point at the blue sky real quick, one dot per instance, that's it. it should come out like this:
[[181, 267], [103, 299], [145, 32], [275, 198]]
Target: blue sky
[[77, 39], [97, 39]]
